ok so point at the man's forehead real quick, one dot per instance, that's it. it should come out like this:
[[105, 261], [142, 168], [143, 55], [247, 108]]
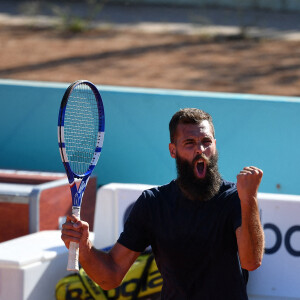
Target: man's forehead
[[203, 127]]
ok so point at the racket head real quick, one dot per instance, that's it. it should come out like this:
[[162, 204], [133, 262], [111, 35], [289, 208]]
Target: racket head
[[81, 125]]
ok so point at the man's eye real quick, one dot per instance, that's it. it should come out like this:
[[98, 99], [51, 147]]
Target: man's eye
[[207, 142]]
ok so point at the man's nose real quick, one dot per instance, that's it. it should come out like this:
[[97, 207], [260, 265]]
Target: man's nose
[[199, 148]]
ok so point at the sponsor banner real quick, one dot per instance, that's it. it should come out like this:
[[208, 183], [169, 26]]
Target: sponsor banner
[[279, 273]]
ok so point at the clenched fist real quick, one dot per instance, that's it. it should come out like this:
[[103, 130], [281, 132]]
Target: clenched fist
[[248, 181]]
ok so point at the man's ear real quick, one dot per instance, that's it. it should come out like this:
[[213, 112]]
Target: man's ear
[[172, 149]]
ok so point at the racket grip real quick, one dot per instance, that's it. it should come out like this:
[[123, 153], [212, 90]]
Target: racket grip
[[73, 259]]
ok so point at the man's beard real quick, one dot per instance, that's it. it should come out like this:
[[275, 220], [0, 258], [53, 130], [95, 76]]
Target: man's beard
[[194, 188]]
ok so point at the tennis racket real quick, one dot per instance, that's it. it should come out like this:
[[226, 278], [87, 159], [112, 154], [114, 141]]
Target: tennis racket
[[81, 124]]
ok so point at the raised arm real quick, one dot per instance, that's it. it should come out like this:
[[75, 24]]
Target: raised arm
[[105, 268], [250, 236]]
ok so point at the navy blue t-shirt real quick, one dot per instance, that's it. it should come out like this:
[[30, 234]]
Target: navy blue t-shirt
[[194, 243]]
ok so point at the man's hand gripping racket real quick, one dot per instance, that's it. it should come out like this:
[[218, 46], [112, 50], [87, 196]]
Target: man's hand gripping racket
[[81, 125]]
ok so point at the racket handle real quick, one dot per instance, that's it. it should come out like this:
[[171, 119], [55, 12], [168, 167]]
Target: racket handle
[[73, 259]]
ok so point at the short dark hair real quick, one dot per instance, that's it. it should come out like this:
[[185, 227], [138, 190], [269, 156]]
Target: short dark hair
[[189, 116]]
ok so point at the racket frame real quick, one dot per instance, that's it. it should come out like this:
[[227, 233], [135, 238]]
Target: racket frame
[[77, 193]]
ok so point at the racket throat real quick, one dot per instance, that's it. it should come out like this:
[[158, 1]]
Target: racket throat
[[78, 195]]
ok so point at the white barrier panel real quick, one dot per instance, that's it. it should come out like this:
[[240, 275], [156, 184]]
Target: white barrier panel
[[279, 275], [111, 204], [30, 266]]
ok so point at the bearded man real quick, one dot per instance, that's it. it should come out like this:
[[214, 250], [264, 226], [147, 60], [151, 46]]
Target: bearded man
[[205, 232]]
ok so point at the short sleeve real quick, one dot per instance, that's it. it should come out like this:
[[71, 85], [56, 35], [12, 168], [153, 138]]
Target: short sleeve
[[135, 235]]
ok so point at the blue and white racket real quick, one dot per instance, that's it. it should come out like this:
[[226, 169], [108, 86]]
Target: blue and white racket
[[81, 124]]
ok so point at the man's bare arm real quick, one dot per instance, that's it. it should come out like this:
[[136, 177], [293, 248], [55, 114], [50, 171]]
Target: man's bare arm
[[250, 236], [105, 268]]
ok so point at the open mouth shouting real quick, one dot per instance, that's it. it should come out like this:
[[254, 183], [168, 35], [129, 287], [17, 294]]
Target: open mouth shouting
[[200, 168]]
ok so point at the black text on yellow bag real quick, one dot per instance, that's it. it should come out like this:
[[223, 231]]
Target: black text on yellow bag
[[143, 281], [72, 287]]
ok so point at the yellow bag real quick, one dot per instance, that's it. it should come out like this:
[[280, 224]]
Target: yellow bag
[[71, 287], [142, 281]]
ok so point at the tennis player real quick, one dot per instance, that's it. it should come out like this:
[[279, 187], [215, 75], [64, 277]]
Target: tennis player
[[205, 232]]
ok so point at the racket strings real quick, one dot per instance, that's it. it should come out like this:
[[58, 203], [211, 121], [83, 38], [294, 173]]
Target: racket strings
[[81, 126]]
